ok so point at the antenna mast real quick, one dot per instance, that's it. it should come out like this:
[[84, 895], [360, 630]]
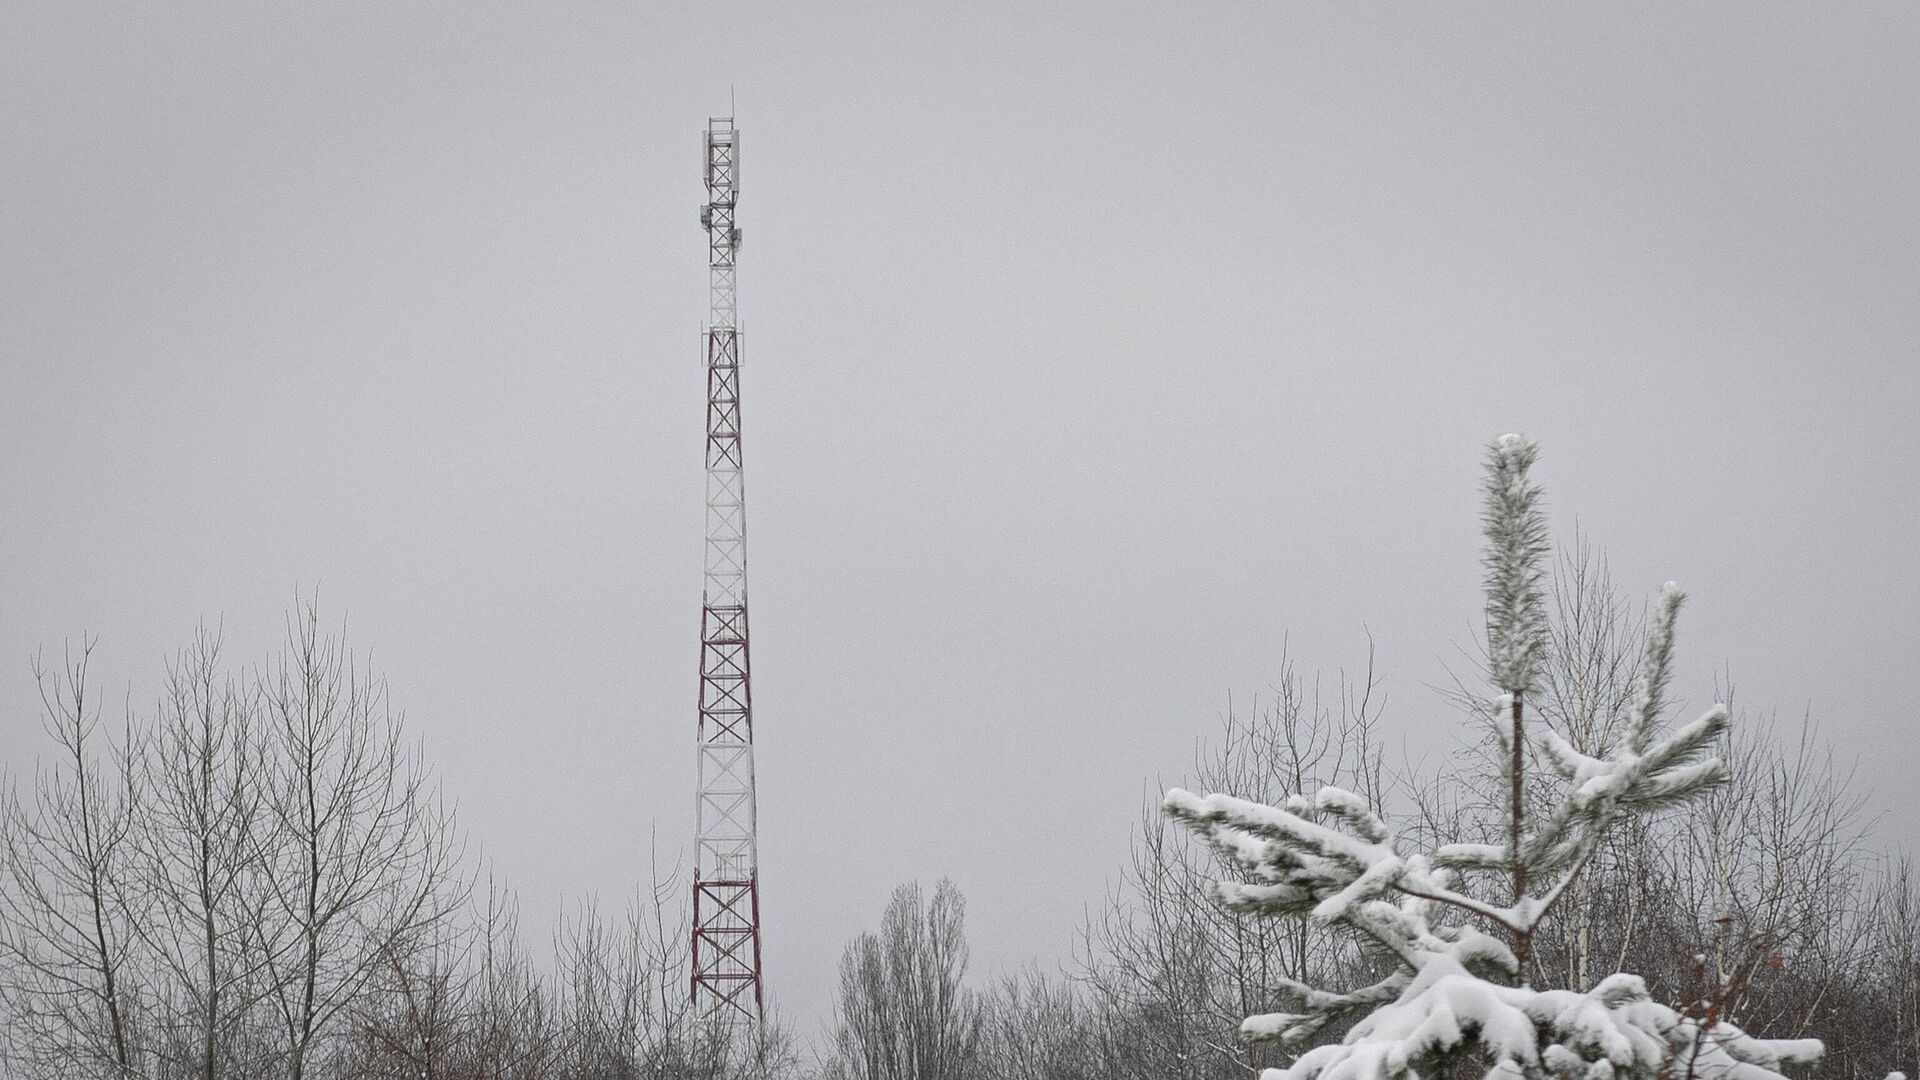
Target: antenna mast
[[726, 880]]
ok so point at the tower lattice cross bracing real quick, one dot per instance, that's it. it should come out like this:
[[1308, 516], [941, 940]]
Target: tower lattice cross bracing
[[726, 880]]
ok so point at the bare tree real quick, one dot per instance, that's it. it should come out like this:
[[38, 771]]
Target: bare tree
[[510, 1035], [72, 990], [198, 895], [1035, 1027], [902, 1013], [363, 864], [1880, 1029], [413, 1020], [624, 1007]]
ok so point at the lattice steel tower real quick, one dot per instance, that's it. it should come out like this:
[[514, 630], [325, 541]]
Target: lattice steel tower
[[726, 880]]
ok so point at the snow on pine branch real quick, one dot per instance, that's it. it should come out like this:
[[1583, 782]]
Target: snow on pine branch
[[1449, 993], [1333, 860], [1611, 1031], [1516, 531]]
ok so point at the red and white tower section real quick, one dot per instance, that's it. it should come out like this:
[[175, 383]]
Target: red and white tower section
[[726, 884]]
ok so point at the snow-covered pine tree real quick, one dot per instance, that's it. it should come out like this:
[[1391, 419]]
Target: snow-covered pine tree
[[1453, 992]]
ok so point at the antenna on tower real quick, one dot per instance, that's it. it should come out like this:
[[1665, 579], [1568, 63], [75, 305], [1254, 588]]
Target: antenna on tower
[[726, 878]]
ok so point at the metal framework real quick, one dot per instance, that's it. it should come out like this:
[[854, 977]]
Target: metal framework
[[726, 885]]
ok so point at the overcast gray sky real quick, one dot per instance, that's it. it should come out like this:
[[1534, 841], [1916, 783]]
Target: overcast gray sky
[[1092, 353]]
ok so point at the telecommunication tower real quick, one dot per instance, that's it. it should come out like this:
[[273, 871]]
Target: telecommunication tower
[[726, 880]]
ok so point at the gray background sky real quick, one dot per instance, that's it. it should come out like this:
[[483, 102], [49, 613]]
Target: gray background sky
[[1092, 354]]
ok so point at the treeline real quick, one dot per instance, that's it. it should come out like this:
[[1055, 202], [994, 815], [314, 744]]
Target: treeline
[[257, 879], [1767, 901]]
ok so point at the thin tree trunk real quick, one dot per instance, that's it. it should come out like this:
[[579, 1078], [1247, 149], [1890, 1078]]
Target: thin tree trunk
[[1516, 807]]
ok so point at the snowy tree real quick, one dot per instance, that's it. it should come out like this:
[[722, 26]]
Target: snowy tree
[[1452, 990]]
